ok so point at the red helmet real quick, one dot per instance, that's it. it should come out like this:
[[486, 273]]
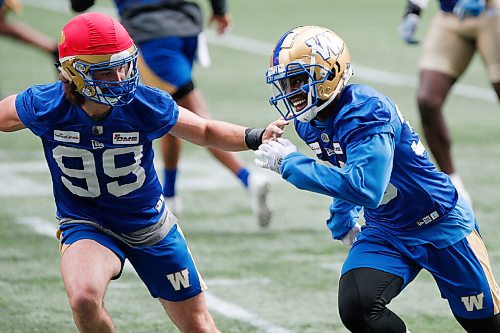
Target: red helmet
[[94, 42]]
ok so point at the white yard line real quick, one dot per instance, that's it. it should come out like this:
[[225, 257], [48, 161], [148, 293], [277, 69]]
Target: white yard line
[[236, 312], [214, 303], [257, 47]]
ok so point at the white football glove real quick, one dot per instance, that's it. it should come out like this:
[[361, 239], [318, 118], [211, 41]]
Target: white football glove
[[269, 155], [352, 235], [408, 27]]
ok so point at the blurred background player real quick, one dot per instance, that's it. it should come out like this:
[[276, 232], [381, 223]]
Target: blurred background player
[[22, 32], [166, 33], [97, 125], [461, 28], [376, 162]]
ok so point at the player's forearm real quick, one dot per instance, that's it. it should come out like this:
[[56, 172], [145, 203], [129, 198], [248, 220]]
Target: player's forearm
[[219, 7], [225, 136], [209, 133], [26, 34], [362, 181], [343, 217], [307, 174]]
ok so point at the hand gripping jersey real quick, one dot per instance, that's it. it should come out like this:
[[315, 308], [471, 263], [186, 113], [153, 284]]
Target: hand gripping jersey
[[102, 170], [368, 129]]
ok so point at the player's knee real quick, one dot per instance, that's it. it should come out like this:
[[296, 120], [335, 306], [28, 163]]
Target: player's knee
[[429, 105], [487, 325], [351, 313], [202, 324], [363, 296], [85, 302], [356, 308]]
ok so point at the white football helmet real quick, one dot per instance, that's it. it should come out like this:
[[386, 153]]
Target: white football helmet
[[309, 67]]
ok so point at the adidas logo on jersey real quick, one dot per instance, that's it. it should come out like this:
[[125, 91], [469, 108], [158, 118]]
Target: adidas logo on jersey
[[96, 144]]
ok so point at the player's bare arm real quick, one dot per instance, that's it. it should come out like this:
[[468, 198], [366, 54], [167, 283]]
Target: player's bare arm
[[219, 134], [9, 120]]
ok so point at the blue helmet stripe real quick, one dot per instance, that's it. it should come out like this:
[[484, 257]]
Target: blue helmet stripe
[[277, 48]]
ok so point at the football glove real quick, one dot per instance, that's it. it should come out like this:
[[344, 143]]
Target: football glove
[[271, 154], [469, 8], [352, 235], [408, 27]]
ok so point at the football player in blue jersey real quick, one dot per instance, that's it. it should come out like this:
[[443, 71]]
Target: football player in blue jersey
[[461, 28], [97, 126], [414, 217], [167, 36]]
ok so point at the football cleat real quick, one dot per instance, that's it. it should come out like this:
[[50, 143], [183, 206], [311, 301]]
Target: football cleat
[[258, 187]]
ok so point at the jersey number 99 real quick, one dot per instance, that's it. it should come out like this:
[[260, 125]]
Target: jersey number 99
[[89, 174]]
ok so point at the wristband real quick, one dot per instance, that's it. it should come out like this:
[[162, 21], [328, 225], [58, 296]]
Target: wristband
[[253, 137], [412, 9]]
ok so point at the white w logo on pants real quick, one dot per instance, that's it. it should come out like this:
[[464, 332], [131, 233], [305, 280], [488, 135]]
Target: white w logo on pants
[[179, 278], [472, 302]]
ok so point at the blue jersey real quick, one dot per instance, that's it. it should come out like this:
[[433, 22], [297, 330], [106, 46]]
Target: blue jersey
[[447, 5], [373, 151], [102, 170], [122, 5]]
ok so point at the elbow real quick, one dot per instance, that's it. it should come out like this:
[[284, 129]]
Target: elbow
[[372, 201], [371, 197]]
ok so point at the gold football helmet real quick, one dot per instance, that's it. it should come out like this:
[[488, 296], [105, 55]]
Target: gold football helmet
[[309, 67]]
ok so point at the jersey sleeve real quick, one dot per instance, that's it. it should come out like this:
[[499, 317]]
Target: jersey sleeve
[[363, 179], [163, 112], [363, 120], [33, 106], [343, 217]]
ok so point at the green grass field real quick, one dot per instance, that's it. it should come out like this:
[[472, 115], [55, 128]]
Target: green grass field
[[279, 280]]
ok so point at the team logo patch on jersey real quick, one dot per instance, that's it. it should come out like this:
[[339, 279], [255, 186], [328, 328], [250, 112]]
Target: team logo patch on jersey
[[96, 144], [130, 138], [324, 137], [97, 129], [337, 149], [315, 147], [67, 136]]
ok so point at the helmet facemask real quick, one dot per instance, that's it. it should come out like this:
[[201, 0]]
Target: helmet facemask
[[81, 71]]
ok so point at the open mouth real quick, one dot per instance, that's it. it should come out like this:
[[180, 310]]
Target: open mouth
[[299, 101]]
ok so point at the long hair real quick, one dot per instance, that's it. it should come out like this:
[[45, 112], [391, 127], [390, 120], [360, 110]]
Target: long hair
[[70, 93]]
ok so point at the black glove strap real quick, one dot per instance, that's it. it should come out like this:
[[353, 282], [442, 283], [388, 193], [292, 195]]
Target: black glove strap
[[412, 9], [253, 137]]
